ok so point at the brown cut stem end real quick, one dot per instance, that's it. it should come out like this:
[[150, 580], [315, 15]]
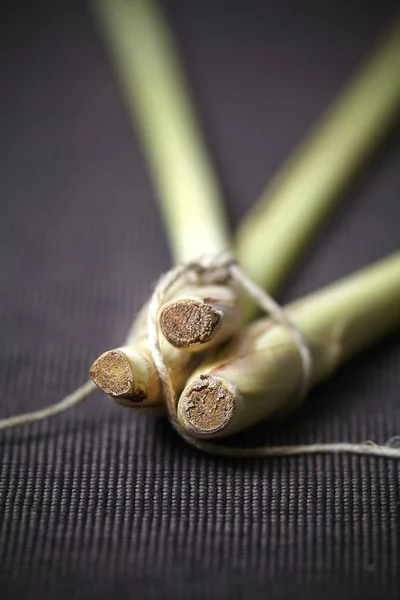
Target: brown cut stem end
[[188, 322], [112, 373], [206, 406]]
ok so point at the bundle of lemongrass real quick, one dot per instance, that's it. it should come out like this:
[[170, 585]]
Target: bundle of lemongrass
[[219, 388]]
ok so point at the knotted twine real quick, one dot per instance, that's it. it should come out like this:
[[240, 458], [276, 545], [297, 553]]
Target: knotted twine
[[220, 268]]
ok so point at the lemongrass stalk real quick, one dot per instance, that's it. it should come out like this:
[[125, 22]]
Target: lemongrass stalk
[[159, 103], [201, 316], [128, 375], [190, 199], [292, 208], [260, 373]]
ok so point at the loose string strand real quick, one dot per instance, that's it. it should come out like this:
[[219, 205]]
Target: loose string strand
[[73, 399], [366, 448]]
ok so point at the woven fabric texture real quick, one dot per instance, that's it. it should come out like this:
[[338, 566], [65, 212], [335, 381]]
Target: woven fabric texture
[[98, 502]]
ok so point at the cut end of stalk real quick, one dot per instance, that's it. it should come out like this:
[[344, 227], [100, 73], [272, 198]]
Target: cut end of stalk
[[112, 373], [187, 322], [206, 406]]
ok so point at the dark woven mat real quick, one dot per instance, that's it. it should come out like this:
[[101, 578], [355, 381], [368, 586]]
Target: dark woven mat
[[98, 502]]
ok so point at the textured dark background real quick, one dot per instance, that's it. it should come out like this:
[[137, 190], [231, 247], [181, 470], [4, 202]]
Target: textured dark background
[[99, 502]]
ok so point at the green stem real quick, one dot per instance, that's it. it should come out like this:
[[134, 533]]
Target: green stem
[[158, 100], [293, 206]]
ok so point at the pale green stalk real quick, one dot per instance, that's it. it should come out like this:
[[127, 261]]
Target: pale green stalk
[[160, 105], [275, 233], [260, 373], [159, 102], [200, 317]]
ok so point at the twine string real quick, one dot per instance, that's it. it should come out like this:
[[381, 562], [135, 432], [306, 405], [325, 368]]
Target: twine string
[[218, 269]]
